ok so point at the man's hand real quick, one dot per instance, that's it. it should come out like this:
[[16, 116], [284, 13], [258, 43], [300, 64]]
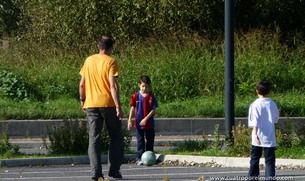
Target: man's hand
[[119, 112], [82, 105]]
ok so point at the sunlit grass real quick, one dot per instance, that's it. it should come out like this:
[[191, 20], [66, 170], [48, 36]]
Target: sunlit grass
[[187, 76], [290, 104], [281, 152]]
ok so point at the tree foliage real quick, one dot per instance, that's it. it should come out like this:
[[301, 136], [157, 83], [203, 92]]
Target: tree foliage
[[79, 22]]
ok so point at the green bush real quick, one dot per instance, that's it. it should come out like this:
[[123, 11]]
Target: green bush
[[72, 138], [105, 139], [190, 145], [241, 145], [12, 86], [6, 148], [290, 143], [290, 135], [217, 143], [287, 137]]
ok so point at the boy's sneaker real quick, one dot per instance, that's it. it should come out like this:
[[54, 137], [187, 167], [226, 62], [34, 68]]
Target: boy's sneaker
[[140, 162]]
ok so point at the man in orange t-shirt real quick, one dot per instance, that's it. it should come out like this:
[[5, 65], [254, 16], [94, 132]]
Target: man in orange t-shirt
[[100, 99]]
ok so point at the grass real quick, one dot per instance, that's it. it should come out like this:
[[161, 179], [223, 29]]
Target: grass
[[284, 153], [187, 76], [290, 104]]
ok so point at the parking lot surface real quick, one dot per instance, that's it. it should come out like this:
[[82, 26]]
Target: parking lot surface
[[136, 173]]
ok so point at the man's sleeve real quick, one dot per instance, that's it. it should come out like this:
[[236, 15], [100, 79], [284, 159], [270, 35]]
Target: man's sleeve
[[81, 72], [113, 68]]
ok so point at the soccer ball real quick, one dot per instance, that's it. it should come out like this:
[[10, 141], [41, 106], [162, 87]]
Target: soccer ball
[[148, 158]]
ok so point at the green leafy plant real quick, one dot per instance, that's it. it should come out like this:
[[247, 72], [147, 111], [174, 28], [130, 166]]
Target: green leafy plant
[[6, 148], [72, 138], [289, 135], [12, 86], [105, 139], [241, 145], [127, 139], [246, 88], [165, 178], [217, 143], [190, 145]]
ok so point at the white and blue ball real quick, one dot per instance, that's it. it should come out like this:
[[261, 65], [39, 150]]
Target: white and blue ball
[[148, 158]]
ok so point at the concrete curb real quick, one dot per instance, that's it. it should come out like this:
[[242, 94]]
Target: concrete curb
[[231, 161], [220, 161], [164, 126], [69, 160]]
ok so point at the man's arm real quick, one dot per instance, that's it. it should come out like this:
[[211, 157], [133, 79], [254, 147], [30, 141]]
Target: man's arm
[[115, 93], [82, 92]]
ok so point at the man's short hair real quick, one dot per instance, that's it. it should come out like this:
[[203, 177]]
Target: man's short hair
[[106, 43]]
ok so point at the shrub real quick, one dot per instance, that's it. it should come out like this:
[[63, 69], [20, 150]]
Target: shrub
[[105, 139], [127, 139], [72, 138], [217, 142], [190, 145], [6, 148], [12, 86], [242, 141], [289, 135]]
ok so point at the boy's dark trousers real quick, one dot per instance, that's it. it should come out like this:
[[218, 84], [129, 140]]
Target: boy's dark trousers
[[149, 135], [269, 154]]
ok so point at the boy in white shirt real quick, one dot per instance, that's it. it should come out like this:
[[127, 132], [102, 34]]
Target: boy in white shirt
[[263, 114]]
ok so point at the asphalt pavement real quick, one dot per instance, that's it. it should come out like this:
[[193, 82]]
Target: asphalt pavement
[[133, 172]]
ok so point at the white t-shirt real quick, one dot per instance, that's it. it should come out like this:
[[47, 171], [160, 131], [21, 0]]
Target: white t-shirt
[[263, 114]]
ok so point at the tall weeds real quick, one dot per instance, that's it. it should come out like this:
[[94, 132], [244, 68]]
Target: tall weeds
[[181, 68]]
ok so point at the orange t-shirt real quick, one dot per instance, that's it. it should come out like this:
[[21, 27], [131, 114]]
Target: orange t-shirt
[[97, 69]]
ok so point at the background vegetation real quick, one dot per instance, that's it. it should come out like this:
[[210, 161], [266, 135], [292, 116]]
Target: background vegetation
[[290, 143], [290, 139], [179, 44]]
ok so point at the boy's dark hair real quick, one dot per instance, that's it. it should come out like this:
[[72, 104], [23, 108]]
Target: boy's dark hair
[[145, 79], [263, 87], [106, 42]]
